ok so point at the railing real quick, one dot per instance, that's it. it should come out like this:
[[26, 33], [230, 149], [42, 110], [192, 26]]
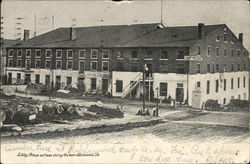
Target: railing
[[131, 86]]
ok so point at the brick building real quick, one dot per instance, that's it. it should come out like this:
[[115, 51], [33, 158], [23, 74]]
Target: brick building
[[191, 63]]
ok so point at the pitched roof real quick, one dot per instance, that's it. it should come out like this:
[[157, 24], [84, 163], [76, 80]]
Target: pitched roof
[[10, 42], [137, 35]]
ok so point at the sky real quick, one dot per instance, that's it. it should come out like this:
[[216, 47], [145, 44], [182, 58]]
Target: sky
[[234, 13]]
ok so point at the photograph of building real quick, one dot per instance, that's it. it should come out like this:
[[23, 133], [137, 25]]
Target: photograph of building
[[190, 64]]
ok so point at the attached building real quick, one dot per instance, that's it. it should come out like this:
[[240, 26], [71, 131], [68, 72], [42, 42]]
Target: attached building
[[190, 64]]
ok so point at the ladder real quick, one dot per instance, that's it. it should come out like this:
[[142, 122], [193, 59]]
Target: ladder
[[132, 85]]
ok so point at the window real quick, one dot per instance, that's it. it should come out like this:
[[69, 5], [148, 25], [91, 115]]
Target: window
[[225, 84], [208, 68], [208, 51], [134, 54], [244, 53], [180, 54], [37, 79], [224, 67], [180, 68], [217, 51], [232, 52], [94, 54], [216, 86], [105, 54], [47, 64], [238, 68], [119, 54], [238, 82], [58, 64], [164, 68], [232, 67], [38, 53], [82, 54], [47, 80], [119, 85], [198, 50], [217, 68], [10, 63], [18, 77], [208, 87], [28, 64], [224, 101], [244, 81], [38, 63], [238, 96], [68, 80], [104, 84], [238, 52], [232, 83], [10, 53], [70, 64], [93, 83], [19, 63], [225, 37], [28, 53], [69, 54], [27, 79], [105, 65], [119, 66], [198, 84], [164, 55], [217, 38], [58, 53], [198, 68], [225, 52], [93, 66], [149, 54], [134, 67], [48, 53], [163, 89], [244, 67], [81, 66], [19, 53]]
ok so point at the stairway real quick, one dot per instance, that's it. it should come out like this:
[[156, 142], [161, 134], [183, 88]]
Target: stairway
[[131, 86]]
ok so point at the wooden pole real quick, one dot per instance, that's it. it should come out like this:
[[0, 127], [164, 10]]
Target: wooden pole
[[143, 89], [157, 105]]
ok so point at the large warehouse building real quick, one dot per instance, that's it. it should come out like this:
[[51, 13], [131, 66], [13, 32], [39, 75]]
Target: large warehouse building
[[190, 64]]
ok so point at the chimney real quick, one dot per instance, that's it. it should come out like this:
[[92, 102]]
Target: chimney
[[241, 37], [200, 30], [72, 33], [26, 34]]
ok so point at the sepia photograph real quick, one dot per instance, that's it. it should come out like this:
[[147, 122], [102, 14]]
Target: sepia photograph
[[125, 81]]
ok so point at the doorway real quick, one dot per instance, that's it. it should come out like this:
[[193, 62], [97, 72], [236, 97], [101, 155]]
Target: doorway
[[9, 78], [179, 95]]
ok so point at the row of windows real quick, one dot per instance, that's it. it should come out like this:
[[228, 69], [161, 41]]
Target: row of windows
[[223, 82], [69, 64], [225, 52], [216, 68], [94, 53]]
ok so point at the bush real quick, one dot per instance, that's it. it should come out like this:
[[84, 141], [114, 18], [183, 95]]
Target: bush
[[212, 105], [237, 104]]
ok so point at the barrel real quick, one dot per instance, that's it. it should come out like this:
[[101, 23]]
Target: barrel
[[59, 108]]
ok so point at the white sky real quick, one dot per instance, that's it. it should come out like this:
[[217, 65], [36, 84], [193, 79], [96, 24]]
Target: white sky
[[234, 13]]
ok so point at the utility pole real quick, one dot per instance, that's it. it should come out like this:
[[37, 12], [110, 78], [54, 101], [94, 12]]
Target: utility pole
[[157, 105], [143, 87]]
